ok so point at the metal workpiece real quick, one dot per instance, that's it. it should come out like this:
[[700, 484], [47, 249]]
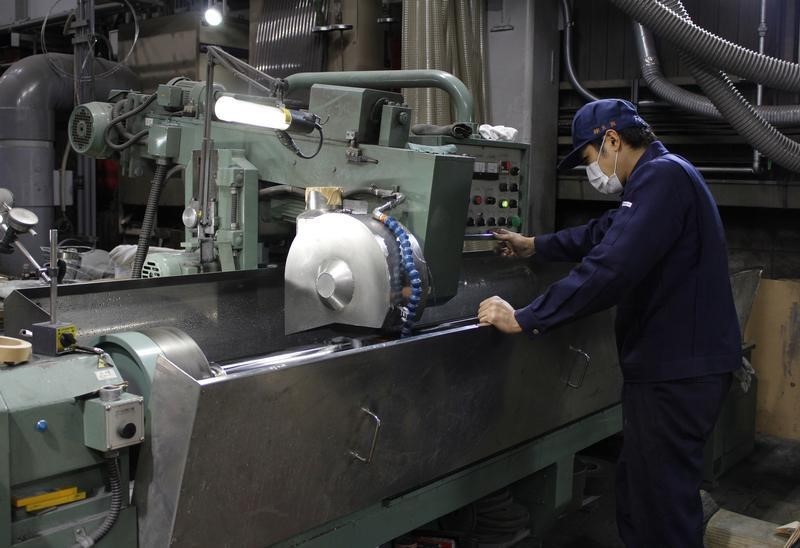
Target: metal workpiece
[[356, 427], [391, 79], [327, 282]]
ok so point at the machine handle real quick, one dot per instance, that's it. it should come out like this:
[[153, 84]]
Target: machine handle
[[368, 458], [584, 365]]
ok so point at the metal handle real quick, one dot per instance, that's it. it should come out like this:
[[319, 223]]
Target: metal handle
[[586, 360], [368, 458]]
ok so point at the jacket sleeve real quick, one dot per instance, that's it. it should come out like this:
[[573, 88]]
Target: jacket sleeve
[[572, 244], [647, 225]]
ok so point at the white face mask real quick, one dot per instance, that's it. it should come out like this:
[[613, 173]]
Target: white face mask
[[599, 180]]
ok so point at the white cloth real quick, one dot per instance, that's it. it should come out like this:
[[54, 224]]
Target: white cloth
[[497, 133]]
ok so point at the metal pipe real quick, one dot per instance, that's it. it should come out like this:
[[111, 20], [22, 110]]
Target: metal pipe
[[567, 45], [390, 79], [762, 40], [53, 273]]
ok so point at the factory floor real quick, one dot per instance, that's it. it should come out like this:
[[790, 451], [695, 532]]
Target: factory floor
[[764, 485]]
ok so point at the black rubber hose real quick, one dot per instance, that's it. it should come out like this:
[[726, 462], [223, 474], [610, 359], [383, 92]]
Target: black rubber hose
[[567, 40], [779, 115], [113, 511], [737, 111], [148, 220], [712, 49]]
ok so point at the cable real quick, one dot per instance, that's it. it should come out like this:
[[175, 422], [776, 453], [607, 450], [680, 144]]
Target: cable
[[116, 121], [113, 511], [109, 72], [287, 141], [571, 74]]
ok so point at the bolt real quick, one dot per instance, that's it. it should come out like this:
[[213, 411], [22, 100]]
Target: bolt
[[108, 408]]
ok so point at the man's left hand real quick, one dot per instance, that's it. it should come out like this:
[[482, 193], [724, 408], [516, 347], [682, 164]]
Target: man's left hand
[[497, 312]]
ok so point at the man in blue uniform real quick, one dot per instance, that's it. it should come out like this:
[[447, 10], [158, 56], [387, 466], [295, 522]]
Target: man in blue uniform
[[661, 258]]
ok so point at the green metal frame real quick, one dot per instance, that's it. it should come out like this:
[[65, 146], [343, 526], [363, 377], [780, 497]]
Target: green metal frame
[[394, 517]]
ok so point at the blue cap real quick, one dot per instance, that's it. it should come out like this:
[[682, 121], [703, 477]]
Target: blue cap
[[592, 121]]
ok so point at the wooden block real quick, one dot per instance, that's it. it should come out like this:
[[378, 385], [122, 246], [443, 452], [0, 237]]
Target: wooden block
[[731, 530]]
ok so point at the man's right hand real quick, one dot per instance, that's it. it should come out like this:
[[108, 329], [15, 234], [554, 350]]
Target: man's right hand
[[513, 244]]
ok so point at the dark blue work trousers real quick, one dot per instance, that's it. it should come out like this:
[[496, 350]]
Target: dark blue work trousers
[[660, 470]]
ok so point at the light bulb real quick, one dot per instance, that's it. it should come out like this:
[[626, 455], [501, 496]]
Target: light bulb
[[229, 109], [213, 16]]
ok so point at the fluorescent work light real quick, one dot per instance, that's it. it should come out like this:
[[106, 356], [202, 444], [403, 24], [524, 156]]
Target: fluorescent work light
[[230, 109]]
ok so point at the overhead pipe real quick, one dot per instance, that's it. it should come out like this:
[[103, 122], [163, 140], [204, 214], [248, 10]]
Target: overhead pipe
[[736, 109], [460, 96], [567, 46], [779, 115], [712, 49], [31, 93]]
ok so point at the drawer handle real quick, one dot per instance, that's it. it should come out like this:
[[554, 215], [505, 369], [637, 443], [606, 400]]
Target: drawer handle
[[582, 365], [368, 458]]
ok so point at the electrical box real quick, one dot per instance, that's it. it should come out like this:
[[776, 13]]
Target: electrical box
[[113, 420]]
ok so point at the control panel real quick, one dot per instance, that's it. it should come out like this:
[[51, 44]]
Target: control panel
[[500, 188], [498, 194]]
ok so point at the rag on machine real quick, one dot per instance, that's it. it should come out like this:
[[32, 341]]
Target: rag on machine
[[497, 133]]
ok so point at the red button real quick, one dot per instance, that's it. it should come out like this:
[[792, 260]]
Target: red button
[[477, 200]]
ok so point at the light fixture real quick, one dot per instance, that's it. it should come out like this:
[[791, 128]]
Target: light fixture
[[213, 14], [230, 109]]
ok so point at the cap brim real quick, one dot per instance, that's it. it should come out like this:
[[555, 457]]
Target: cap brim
[[573, 158]]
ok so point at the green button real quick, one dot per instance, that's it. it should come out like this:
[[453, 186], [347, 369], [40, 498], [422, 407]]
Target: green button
[[516, 222], [503, 203]]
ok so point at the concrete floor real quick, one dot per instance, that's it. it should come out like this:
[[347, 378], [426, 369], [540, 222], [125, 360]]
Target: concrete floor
[[765, 485]]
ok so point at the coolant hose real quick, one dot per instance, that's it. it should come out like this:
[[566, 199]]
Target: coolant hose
[[712, 49], [567, 45], [149, 218], [113, 511], [779, 115], [413, 275]]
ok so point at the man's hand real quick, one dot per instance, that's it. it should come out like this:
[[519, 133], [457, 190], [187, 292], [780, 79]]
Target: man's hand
[[497, 312], [513, 244]]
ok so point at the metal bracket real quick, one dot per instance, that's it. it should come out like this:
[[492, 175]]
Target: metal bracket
[[583, 364], [368, 458]]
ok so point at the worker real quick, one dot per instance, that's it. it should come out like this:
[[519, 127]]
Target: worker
[[660, 257]]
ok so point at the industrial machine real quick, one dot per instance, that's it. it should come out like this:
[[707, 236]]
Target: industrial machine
[[305, 401]]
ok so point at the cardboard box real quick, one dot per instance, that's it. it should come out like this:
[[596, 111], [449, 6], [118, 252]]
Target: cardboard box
[[774, 327]]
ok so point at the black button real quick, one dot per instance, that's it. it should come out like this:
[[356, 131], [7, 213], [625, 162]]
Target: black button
[[490, 200], [501, 221], [503, 187], [514, 171], [127, 431], [481, 222], [514, 187], [67, 340], [512, 203], [470, 221], [491, 221]]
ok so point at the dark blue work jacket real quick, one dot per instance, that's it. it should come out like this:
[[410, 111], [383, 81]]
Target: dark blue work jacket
[[661, 258]]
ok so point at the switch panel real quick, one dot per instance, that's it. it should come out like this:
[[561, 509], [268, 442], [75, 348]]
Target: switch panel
[[113, 424], [500, 192], [496, 197]]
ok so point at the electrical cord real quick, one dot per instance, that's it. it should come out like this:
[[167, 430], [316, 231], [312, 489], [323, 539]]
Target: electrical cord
[[287, 141], [113, 512], [121, 118]]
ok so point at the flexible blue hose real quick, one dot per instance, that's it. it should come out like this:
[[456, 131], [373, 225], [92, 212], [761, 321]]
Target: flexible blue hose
[[415, 280]]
